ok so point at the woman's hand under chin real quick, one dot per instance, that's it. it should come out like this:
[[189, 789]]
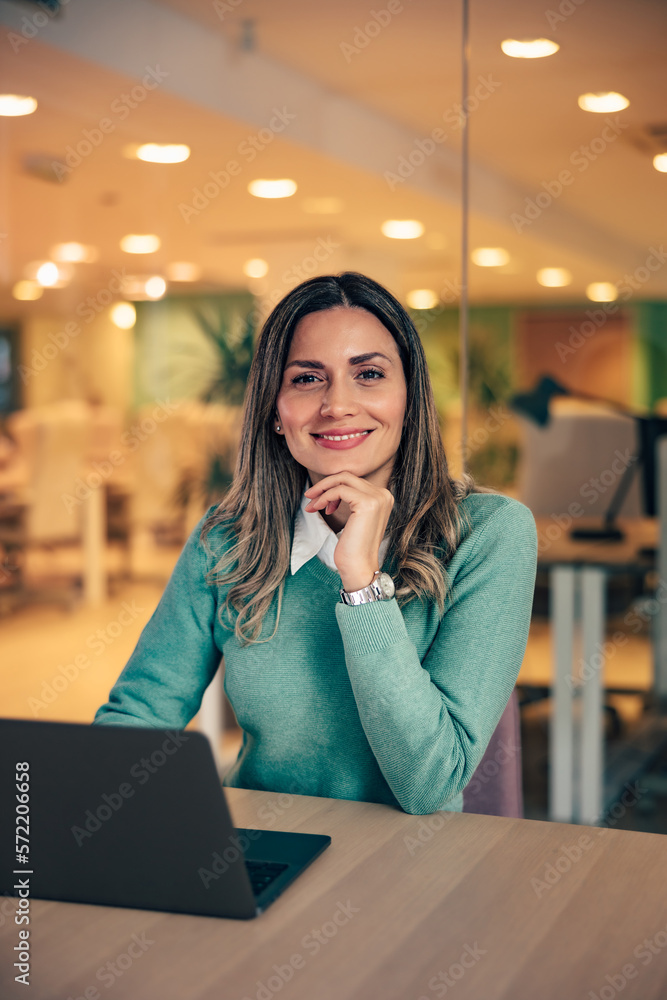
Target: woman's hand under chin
[[357, 552]]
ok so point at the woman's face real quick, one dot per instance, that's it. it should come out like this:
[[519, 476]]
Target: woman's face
[[328, 388]]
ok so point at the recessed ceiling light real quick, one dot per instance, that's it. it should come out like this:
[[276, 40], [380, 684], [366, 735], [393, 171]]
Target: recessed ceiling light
[[74, 253], [660, 162], [281, 188], [554, 277], [160, 152], [155, 287], [402, 229], [529, 48], [255, 268], [183, 270], [322, 206], [140, 243], [490, 256], [14, 105], [422, 298], [601, 291], [123, 315], [47, 274], [603, 102], [27, 291]]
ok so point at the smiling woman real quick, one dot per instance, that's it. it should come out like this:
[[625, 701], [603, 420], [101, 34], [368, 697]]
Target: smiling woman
[[372, 611]]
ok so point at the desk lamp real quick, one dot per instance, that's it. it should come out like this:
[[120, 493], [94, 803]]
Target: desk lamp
[[535, 406]]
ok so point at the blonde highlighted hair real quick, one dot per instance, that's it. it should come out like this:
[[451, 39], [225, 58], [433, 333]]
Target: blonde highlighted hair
[[426, 524]]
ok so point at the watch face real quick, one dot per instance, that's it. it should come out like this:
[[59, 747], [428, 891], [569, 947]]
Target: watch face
[[386, 585]]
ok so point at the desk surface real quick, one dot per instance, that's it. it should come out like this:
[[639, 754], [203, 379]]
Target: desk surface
[[398, 902], [556, 546]]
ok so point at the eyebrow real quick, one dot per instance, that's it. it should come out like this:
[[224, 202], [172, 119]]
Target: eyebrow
[[358, 359]]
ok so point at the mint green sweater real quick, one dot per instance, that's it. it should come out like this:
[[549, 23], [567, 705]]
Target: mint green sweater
[[374, 703]]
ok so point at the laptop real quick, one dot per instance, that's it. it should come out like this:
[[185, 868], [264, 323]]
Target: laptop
[[133, 817]]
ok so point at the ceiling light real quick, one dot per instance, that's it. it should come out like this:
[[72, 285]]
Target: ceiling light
[[13, 105], [123, 315], [155, 287], [47, 274], [402, 229], [74, 253], [322, 206], [660, 162], [529, 48], [255, 268], [162, 152], [490, 256], [282, 188], [603, 102], [183, 270], [601, 291], [554, 277], [134, 243], [422, 298], [27, 291]]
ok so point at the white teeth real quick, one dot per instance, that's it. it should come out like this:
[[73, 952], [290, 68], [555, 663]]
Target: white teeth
[[342, 437]]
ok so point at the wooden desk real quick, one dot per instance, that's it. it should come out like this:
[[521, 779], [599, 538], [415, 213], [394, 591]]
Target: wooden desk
[[398, 902]]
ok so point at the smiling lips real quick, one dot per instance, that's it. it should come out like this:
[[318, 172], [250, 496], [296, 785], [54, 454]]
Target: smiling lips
[[341, 441]]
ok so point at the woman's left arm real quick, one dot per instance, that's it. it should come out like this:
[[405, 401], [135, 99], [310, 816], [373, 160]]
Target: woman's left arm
[[429, 723]]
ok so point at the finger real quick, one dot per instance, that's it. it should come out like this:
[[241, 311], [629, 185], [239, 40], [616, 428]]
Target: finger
[[341, 492], [339, 478]]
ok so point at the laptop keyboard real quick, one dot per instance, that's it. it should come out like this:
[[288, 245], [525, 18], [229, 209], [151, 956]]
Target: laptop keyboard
[[263, 873]]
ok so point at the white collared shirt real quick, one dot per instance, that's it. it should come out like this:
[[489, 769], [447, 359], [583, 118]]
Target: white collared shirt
[[314, 537]]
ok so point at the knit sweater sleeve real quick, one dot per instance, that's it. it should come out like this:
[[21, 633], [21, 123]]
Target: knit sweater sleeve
[[428, 724], [176, 657]]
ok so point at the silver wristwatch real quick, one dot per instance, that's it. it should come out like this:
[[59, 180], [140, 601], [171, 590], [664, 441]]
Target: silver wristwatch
[[381, 588]]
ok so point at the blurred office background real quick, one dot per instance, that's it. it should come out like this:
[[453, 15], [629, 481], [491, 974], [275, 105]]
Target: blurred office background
[[171, 168]]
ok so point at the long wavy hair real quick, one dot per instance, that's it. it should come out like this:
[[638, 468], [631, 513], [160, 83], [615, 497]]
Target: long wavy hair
[[426, 523]]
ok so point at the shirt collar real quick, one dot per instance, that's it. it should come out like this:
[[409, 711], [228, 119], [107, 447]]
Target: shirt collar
[[313, 536], [310, 535]]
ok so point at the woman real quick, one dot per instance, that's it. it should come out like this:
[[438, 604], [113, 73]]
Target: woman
[[347, 682]]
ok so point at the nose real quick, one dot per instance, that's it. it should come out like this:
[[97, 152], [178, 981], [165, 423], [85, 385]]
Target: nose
[[338, 400]]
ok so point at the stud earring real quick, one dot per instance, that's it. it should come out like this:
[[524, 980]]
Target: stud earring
[[278, 427]]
